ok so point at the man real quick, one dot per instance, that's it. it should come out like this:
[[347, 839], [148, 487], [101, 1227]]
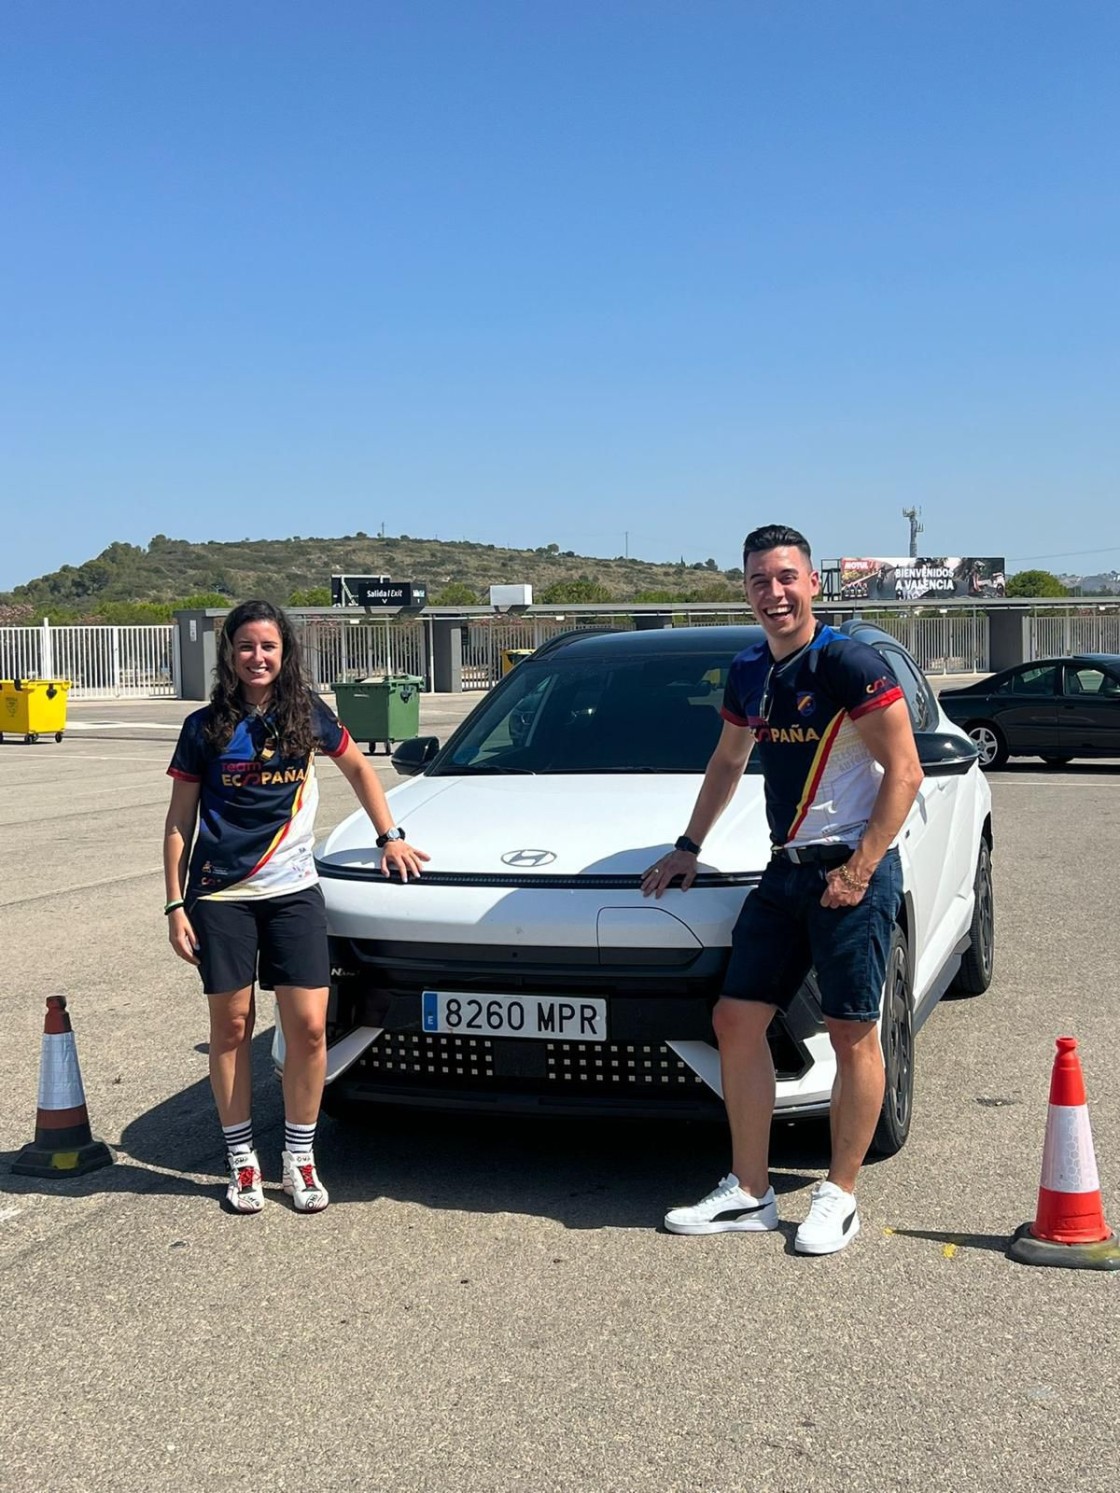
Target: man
[[838, 791]]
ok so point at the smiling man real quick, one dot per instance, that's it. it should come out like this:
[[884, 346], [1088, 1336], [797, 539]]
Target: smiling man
[[841, 771]]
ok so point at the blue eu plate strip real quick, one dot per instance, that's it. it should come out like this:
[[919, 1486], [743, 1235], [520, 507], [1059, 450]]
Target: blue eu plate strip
[[431, 1011]]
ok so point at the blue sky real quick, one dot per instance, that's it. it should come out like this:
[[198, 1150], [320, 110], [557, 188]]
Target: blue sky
[[623, 275]]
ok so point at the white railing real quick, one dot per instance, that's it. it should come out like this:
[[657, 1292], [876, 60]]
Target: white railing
[[101, 663], [1055, 634], [953, 643], [338, 649], [485, 639]]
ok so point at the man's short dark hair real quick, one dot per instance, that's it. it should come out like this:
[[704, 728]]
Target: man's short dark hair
[[772, 537]]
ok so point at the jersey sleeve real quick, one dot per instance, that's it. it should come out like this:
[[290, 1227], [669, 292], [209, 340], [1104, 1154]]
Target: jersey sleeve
[[734, 707], [331, 735], [188, 761], [862, 679]]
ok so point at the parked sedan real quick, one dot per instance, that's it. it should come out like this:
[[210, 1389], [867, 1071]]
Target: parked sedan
[[525, 970], [1053, 708]]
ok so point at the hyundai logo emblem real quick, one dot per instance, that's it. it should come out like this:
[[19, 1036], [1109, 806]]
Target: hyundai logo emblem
[[528, 858]]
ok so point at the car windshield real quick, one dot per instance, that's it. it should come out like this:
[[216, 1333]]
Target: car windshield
[[626, 715]]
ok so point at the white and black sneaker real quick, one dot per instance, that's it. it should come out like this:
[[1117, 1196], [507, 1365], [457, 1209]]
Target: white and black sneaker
[[831, 1223], [301, 1182], [244, 1193], [727, 1210]]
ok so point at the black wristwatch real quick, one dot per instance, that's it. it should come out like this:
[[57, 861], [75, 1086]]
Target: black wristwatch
[[390, 834], [684, 843]]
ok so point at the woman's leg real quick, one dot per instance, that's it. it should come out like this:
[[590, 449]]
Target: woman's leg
[[231, 1053], [303, 1018]]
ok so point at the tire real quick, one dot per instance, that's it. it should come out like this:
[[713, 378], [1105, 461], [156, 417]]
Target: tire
[[1057, 759], [896, 1034], [31, 738], [990, 742], [58, 736], [975, 973]]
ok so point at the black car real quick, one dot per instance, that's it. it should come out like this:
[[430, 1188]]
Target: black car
[[1053, 708]]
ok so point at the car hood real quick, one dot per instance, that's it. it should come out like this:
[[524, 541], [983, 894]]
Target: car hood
[[556, 825]]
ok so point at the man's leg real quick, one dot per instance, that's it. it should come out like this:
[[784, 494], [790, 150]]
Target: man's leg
[[747, 1069], [857, 1096]]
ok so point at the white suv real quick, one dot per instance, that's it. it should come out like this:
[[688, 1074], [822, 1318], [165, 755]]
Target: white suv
[[525, 971]]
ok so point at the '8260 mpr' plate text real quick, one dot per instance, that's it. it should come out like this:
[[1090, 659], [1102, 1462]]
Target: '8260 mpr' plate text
[[553, 1017]]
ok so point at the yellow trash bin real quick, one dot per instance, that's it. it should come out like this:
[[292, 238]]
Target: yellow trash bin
[[511, 657], [33, 707]]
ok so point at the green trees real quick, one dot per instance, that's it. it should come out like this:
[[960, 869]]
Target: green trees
[[1035, 583]]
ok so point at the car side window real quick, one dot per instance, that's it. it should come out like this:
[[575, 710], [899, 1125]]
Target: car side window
[[1090, 681], [919, 697], [1038, 679]]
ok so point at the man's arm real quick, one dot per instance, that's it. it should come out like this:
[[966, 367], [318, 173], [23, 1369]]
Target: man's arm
[[721, 778], [889, 737]]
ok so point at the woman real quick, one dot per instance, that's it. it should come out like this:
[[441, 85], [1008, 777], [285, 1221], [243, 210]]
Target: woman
[[244, 778]]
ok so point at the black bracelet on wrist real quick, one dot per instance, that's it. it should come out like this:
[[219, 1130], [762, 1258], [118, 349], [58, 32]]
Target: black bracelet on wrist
[[684, 843], [173, 906]]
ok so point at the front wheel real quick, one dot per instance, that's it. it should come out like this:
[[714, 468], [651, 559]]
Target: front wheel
[[975, 973], [896, 1033], [990, 743]]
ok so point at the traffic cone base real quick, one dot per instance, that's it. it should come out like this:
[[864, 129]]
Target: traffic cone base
[[1069, 1228], [1103, 1255], [35, 1160], [64, 1145]]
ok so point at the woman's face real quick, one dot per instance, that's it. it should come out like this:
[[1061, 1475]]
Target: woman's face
[[257, 655]]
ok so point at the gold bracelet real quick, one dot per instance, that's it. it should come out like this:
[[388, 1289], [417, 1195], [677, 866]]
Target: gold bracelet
[[851, 881]]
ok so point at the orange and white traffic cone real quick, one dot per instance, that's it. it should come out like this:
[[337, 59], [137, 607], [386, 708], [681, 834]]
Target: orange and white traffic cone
[[1069, 1228], [63, 1140]]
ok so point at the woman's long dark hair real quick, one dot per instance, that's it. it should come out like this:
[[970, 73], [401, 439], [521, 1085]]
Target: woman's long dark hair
[[290, 706]]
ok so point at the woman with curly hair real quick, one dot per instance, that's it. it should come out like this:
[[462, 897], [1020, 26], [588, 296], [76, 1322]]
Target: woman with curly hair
[[246, 900]]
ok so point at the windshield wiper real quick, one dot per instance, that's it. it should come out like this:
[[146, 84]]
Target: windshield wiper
[[476, 770]]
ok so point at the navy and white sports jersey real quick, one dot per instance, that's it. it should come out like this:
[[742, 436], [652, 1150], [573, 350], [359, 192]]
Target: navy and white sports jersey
[[821, 781], [256, 809]]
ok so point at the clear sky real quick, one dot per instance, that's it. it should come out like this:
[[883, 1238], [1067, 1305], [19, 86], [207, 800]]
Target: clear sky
[[621, 275]]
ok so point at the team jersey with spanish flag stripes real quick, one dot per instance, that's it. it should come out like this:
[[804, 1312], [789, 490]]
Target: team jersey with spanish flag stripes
[[821, 781], [256, 809]]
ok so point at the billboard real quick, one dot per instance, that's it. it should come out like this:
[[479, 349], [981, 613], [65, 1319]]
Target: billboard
[[376, 591], [921, 577]]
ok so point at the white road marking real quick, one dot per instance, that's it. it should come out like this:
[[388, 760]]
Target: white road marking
[[122, 726], [7, 1213]]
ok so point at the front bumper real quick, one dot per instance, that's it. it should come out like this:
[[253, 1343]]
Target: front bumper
[[659, 1059]]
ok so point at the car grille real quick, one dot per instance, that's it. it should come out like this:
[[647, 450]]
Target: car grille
[[425, 1060]]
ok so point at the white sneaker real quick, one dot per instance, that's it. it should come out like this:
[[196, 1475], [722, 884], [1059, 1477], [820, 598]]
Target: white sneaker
[[832, 1221], [727, 1210], [244, 1193], [301, 1182]]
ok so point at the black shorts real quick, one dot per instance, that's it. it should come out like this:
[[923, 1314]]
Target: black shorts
[[783, 930], [273, 940]]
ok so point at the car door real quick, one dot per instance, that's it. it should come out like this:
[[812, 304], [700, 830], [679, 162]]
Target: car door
[[1089, 711], [1025, 708], [941, 854]]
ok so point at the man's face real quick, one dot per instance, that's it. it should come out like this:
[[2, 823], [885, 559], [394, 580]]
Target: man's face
[[780, 585]]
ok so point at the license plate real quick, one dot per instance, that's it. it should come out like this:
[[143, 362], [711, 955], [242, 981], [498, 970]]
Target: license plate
[[555, 1018]]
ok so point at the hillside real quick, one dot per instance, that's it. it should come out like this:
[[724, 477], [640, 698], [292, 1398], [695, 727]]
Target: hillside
[[148, 580]]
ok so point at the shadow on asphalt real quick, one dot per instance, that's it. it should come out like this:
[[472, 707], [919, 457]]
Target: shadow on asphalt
[[584, 1173]]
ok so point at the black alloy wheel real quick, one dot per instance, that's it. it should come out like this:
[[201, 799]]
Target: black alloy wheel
[[975, 973], [990, 743], [896, 1033]]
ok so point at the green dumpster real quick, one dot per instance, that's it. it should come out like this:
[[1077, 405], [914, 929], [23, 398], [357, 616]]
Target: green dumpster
[[385, 708]]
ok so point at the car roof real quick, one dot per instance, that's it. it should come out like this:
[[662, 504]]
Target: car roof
[[658, 641]]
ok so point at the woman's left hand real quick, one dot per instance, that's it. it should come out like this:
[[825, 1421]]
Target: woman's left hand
[[402, 858]]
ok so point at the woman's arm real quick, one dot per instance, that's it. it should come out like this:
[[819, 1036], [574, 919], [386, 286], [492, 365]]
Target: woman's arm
[[397, 854], [178, 835]]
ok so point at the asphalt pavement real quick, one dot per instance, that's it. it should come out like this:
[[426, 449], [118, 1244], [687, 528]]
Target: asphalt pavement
[[491, 1304]]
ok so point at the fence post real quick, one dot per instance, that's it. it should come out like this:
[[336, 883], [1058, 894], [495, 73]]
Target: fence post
[[46, 651]]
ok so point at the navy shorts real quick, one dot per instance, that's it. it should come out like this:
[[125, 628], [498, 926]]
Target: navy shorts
[[273, 940], [783, 931]]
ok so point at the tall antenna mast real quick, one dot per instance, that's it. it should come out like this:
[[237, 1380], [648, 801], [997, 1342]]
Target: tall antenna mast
[[916, 528]]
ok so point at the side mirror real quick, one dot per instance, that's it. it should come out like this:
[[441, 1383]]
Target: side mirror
[[412, 756], [944, 756]]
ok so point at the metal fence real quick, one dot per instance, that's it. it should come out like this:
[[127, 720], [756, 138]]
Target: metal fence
[[485, 639], [953, 643], [1087, 630], [101, 663], [338, 648]]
